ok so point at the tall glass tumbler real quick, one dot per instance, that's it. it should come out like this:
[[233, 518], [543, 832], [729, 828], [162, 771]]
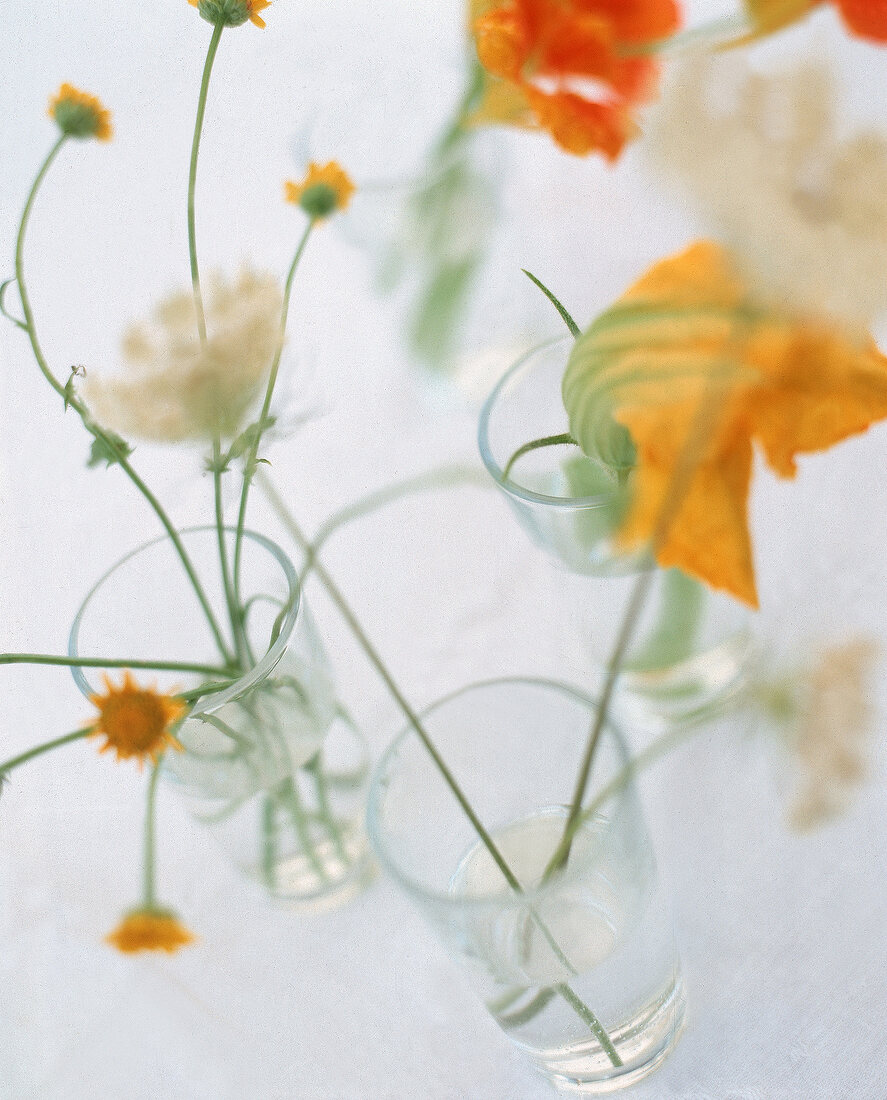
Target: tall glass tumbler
[[578, 967]]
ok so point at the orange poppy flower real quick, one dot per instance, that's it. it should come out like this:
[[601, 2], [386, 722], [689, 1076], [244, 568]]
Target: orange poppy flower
[[550, 50], [788, 385]]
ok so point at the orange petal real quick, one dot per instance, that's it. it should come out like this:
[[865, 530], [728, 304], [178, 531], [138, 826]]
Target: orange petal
[[581, 127], [867, 18]]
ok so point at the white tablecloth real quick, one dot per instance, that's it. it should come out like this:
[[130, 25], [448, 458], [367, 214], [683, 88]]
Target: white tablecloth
[[782, 937]]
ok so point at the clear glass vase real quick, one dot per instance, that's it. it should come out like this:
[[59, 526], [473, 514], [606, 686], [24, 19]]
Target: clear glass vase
[[271, 762], [694, 647], [580, 970]]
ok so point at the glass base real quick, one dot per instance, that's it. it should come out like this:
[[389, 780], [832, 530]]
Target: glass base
[[333, 876], [583, 1069], [700, 687]]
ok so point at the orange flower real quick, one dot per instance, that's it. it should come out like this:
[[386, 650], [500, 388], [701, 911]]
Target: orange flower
[[322, 191], [864, 18], [550, 49], [231, 13], [792, 386], [150, 930], [136, 721], [79, 114]]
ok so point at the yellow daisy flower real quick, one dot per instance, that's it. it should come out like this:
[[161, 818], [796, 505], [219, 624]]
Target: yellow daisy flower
[[136, 721], [79, 114], [231, 13], [322, 191], [150, 930]]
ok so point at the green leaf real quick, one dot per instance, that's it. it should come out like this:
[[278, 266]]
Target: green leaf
[[101, 452], [575, 331], [588, 392]]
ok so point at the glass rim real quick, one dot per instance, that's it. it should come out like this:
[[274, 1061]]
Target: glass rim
[[213, 700], [375, 831], [507, 485]]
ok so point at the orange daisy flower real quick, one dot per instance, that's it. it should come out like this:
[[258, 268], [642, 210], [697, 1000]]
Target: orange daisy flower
[[136, 721], [551, 49], [150, 930], [322, 191], [231, 13], [79, 114]]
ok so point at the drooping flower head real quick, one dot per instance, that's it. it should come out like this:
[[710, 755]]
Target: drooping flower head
[[79, 114], [789, 384], [150, 930], [136, 722], [864, 18], [323, 190], [231, 13], [177, 388], [550, 52]]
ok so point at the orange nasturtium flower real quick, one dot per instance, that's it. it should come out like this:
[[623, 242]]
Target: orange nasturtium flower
[[231, 13], [548, 53], [136, 721], [789, 385], [79, 114], [150, 930], [323, 190], [864, 18]]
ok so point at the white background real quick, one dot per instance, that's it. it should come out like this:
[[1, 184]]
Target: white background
[[783, 937]]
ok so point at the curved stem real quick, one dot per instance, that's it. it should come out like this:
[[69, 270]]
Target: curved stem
[[250, 464], [109, 662], [562, 440], [148, 875], [38, 750], [442, 477], [192, 177], [72, 401]]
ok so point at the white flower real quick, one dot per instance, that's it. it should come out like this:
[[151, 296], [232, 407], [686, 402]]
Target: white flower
[[174, 389], [804, 212]]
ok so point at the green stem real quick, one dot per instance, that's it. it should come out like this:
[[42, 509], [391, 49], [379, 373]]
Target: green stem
[[192, 177], [674, 497], [47, 746], [108, 662], [300, 826], [148, 878], [269, 842], [442, 477], [315, 767], [74, 402], [562, 440], [373, 656], [235, 614], [250, 464]]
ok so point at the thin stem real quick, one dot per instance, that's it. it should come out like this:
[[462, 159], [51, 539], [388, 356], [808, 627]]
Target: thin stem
[[235, 613], [47, 746], [192, 177], [315, 768], [290, 793], [440, 478], [269, 842], [562, 440], [148, 878], [109, 662], [373, 656], [671, 505], [250, 464], [70, 399]]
